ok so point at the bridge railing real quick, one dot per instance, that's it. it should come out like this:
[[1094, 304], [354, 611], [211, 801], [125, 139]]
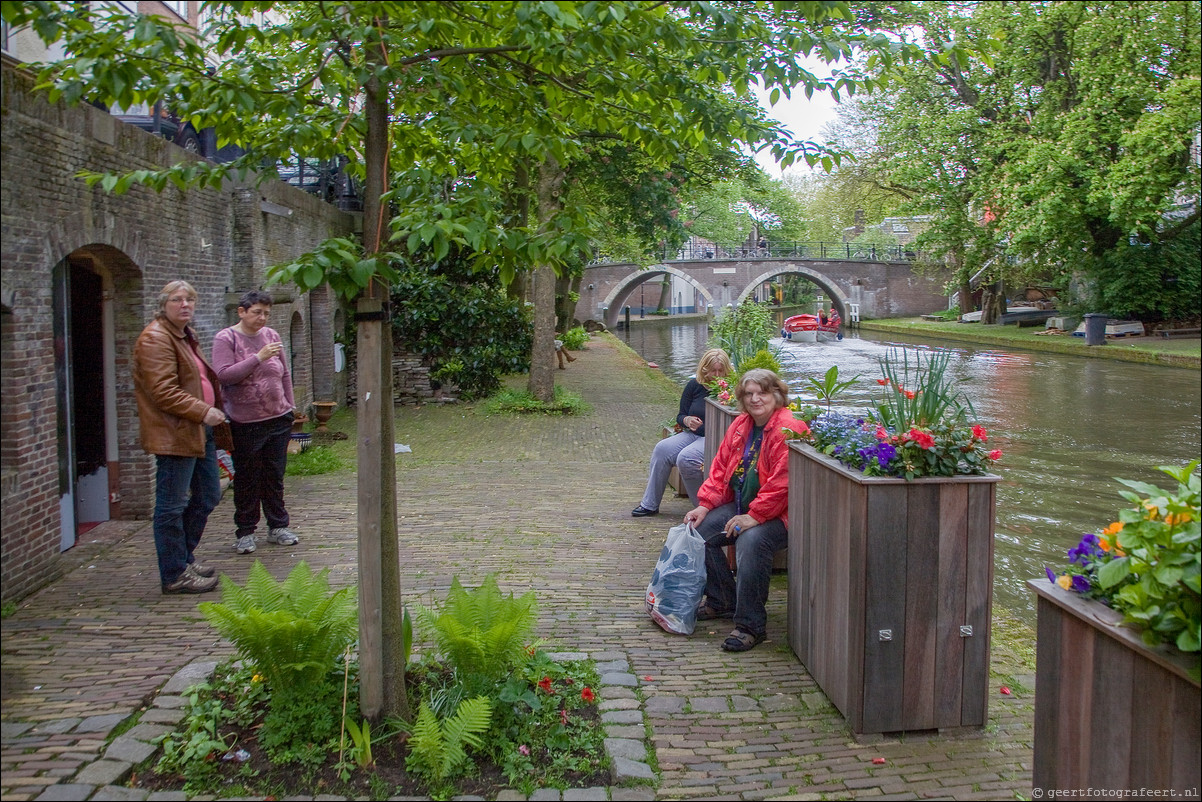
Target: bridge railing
[[694, 250]]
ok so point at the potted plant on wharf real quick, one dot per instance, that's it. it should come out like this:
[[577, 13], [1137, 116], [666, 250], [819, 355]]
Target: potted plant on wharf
[[1117, 661], [891, 520]]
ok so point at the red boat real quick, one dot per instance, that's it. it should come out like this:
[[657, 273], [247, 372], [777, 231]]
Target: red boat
[[810, 328]]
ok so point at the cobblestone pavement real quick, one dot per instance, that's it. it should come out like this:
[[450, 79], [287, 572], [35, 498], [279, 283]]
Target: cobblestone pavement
[[544, 502]]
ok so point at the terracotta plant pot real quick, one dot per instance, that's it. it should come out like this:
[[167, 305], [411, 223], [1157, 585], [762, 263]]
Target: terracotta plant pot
[[323, 411]]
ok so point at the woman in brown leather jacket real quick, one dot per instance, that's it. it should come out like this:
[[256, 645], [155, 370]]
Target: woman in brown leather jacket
[[179, 403]]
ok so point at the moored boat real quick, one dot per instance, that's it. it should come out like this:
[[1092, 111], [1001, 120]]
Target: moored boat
[[808, 328]]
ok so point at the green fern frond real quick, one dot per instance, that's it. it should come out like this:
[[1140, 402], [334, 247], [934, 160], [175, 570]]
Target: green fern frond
[[482, 633], [292, 631], [437, 748]]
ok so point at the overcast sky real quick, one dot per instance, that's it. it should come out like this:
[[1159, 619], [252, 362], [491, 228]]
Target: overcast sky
[[804, 117]]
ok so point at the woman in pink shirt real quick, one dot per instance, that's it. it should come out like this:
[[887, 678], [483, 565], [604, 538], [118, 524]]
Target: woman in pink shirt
[[257, 390]]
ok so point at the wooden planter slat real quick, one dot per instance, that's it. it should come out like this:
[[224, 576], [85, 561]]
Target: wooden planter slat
[[1110, 712], [883, 575]]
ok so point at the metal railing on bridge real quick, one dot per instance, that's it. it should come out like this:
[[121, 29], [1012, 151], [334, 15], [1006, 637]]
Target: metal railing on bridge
[[694, 250]]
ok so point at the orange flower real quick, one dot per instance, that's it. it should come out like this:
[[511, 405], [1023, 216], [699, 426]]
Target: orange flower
[[1065, 582], [1113, 529]]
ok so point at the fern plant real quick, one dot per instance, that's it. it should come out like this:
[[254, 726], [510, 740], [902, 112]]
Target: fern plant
[[482, 633], [292, 631], [438, 747]]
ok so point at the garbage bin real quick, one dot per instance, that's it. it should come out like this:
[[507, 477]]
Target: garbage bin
[[1095, 328]]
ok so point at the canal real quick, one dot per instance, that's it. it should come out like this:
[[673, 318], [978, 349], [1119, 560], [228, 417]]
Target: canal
[[1067, 426]]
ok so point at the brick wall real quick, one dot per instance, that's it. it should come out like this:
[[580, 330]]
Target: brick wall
[[220, 241]]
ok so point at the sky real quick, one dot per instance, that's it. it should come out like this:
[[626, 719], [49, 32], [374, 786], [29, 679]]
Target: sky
[[804, 117]]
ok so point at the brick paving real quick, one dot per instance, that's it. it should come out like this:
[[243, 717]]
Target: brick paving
[[545, 503]]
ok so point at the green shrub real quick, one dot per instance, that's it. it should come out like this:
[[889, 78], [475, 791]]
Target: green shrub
[[438, 747], [763, 359], [462, 320], [522, 402], [313, 461], [574, 339], [743, 332]]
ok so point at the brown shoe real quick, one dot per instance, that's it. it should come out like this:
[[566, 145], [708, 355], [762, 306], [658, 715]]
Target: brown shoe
[[189, 582]]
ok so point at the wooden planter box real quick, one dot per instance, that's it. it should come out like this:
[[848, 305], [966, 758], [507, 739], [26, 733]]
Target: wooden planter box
[[890, 584], [1110, 711]]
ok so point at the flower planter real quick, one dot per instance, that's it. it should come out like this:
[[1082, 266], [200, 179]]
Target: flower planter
[[890, 585], [1110, 711]]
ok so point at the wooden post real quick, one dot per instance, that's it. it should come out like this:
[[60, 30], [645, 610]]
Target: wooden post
[[370, 330]]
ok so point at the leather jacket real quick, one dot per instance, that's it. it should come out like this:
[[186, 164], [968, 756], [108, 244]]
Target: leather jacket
[[171, 406]]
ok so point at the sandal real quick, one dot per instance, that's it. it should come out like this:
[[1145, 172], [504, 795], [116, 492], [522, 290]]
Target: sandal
[[707, 613], [741, 641]]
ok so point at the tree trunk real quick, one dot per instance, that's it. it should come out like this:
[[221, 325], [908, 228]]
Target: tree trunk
[[542, 376], [965, 298], [381, 652], [665, 295]]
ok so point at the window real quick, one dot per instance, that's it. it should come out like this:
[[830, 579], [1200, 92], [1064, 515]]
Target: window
[[180, 7]]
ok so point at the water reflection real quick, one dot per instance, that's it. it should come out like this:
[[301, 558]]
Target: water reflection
[[1067, 426]]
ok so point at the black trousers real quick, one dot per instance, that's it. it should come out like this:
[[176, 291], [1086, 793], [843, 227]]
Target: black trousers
[[260, 457]]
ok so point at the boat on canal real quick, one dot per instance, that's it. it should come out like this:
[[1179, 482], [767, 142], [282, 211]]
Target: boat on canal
[[812, 328]]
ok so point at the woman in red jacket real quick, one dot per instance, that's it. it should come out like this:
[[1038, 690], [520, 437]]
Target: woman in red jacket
[[744, 501]]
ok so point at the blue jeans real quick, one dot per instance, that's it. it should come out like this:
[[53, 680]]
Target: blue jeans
[[186, 490], [755, 548]]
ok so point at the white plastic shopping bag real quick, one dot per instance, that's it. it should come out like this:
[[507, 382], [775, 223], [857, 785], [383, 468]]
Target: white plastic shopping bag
[[678, 583]]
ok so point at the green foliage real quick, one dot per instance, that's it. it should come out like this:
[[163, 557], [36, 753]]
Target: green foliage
[[764, 359], [232, 697], [292, 631], [464, 324], [575, 338], [1148, 564], [482, 633], [545, 725], [919, 394], [7, 609], [360, 749], [313, 461], [743, 332], [830, 386], [438, 747], [1153, 281], [510, 401]]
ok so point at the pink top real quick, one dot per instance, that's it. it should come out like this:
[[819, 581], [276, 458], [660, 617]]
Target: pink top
[[206, 386], [251, 390]]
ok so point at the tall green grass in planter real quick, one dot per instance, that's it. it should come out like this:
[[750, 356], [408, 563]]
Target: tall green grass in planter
[[742, 332], [293, 633]]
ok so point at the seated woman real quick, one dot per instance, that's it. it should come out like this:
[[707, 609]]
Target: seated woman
[[685, 449], [745, 501]]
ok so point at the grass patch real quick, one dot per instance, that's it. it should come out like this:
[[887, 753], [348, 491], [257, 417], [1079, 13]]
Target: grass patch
[[521, 402], [8, 609], [313, 461], [1150, 350]]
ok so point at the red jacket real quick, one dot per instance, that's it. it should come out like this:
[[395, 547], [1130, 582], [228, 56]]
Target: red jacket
[[773, 499]]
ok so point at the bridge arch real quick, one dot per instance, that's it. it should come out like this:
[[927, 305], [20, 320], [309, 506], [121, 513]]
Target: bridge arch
[[625, 286], [833, 291]]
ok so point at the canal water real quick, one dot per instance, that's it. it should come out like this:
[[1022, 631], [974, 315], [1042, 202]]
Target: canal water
[[1067, 426]]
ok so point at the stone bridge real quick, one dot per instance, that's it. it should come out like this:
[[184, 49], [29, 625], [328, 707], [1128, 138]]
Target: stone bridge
[[882, 289]]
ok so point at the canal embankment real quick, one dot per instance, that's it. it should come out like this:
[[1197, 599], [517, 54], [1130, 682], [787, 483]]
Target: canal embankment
[[1177, 353]]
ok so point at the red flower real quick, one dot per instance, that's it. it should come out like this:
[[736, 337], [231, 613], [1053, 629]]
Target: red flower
[[996, 454], [588, 695], [882, 433], [563, 716], [883, 382], [910, 394], [978, 432], [923, 439], [545, 684]]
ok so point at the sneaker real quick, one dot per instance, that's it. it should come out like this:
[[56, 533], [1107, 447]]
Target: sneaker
[[642, 512], [205, 571], [245, 544], [189, 582], [282, 536]]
